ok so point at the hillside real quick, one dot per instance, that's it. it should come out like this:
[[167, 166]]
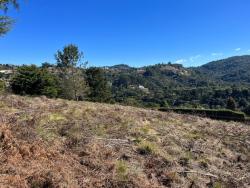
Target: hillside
[[172, 85], [59, 143], [232, 70]]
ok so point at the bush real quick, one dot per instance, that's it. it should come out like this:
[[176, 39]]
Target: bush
[[231, 104], [122, 170], [32, 80], [214, 114], [247, 110]]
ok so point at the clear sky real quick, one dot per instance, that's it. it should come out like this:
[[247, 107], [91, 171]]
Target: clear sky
[[133, 32]]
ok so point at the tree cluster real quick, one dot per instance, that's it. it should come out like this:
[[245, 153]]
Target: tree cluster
[[69, 78]]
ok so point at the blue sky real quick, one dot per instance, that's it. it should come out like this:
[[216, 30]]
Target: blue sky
[[133, 32]]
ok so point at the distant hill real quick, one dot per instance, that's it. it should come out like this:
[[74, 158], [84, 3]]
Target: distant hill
[[120, 66], [233, 70], [170, 84]]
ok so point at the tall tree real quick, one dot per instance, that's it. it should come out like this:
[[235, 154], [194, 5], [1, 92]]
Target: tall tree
[[100, 91], [5, 21], [70, 62]]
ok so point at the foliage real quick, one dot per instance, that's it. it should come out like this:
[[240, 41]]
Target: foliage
[[100, 91], [230, 70], [121, 170], [231, 104], [32, 80], [247, 110], [47, 65], [4, 4], [5, 21], [216, 114], [5, 24], [2, 86], [161, 85], [171, 85], [72, 81], [69, 57]]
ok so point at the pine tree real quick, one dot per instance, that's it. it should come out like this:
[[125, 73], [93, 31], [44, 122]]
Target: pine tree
[[5, 21], [72, 72], [32, 80], [100, 90]]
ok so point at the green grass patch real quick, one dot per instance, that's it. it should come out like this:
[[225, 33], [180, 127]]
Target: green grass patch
[[121, 170], [56, 117]]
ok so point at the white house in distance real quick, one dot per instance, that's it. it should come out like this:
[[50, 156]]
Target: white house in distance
[[6, 71]]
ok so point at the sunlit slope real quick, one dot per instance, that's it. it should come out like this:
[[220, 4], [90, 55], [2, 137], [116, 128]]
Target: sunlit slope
[[59, 143]]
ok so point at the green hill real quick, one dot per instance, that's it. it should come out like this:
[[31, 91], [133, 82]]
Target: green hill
[[232, 70], [208, 86]]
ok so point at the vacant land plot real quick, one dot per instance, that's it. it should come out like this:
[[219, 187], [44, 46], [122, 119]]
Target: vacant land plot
[[59, 143]]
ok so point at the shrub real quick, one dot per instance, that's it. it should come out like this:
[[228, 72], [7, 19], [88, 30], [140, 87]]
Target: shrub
[[247, 110], [214, 114], [231, 104], [32, 80], [121, 170]]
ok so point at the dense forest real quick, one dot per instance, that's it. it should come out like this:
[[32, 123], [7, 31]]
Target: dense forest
[[172, 85], [222, 84]]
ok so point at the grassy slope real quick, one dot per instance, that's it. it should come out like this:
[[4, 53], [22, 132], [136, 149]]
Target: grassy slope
[[58, 143]]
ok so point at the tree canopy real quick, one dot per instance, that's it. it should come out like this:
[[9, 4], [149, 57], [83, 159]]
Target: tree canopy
[[70, 62], [32, 80], [5, 21], [100, 91]]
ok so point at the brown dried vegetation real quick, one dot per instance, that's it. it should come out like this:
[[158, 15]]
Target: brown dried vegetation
[[59, 143]]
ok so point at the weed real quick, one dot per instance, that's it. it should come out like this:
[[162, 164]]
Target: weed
[[146, 148], [218, 185], [121, 169]]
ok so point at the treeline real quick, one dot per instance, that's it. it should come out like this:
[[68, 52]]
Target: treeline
[[162, 85], [68, 78], [173, 86]]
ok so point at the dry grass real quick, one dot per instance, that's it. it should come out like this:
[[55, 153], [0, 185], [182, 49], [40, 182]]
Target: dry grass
[[59, 143]]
